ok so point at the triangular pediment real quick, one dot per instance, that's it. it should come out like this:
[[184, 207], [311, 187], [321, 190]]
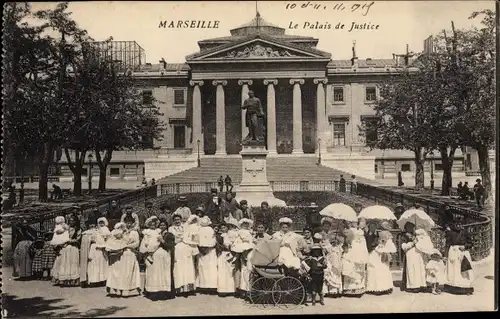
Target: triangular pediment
[[257, 47]]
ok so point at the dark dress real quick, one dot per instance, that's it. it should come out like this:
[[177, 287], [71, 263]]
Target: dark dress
[[265, 218], [24, 236], [371, 241]]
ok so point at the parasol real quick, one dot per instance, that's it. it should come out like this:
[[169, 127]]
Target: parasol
[[417, 217], [377, 212], [266, 253], [339, 211]]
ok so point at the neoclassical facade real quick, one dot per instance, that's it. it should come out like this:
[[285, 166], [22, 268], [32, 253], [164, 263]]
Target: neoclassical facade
[[313, 104]]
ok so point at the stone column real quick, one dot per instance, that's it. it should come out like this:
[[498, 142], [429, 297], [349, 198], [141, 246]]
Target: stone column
[[297, 116], [197, 124], [271, 116], [321, 122], [244, 95], [220, 115]]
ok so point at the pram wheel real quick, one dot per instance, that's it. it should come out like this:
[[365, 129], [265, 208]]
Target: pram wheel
[[289, 292], [261, 291]]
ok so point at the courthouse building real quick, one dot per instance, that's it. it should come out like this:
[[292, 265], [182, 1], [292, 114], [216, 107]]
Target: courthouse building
[[313, 104]]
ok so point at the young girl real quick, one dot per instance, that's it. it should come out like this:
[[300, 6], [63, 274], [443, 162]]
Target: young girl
[[225, 278], [61, 232], [435, 269], [243, 243], [152, 239], [333, 272], [207, 259]]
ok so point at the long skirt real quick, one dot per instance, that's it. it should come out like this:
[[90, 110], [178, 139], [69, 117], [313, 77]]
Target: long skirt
[[207, 270], [458, 282], [158, 275], [124, 278], [84, 257], [354, 279], [333, 275], [414, 274], [22, 259], [66, 270], [48, 257], [97, 268], [225, 274], [378, 275], [184, 270], [246, 271]]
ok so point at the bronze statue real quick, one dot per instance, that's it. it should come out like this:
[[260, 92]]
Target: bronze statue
[[254, 112]]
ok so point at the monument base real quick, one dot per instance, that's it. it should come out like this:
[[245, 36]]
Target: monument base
[[254, 187]]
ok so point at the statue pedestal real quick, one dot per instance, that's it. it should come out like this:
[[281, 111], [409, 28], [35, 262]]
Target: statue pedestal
[[254, 187]]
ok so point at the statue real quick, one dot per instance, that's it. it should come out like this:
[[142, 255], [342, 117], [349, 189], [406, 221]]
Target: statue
[[254, 112]]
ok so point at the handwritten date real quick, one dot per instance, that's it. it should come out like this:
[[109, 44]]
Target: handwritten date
[[363, 7]]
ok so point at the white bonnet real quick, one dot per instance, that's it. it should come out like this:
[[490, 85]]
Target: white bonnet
[[205, 221], [59, 219], [285, 220], [326, 220], [192, 219], [102, 219], [318, 236], [245, 220], [150, 220], [119, 225]]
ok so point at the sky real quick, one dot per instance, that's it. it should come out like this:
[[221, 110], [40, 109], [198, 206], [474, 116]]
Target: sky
[[400, 23]]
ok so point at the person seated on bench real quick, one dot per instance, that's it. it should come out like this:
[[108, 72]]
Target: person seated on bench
[[468, 194], [57, 193]]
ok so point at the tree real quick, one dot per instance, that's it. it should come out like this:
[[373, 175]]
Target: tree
[[404, 117], [124, 120]]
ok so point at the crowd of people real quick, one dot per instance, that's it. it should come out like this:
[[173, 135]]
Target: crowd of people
[[478, 192], [210, 251]]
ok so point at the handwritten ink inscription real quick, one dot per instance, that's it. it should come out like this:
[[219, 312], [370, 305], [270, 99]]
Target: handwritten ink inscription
[[362, 7]]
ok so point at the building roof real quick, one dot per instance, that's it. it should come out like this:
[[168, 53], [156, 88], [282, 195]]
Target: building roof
[[159, 67], [283, 37], [257, 25]]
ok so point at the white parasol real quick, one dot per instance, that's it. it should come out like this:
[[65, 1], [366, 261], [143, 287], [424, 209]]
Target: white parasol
[[377, 212], [417, 217], [339, 211]]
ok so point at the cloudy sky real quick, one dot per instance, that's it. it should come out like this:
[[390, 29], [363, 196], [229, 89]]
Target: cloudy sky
[[400, 23]]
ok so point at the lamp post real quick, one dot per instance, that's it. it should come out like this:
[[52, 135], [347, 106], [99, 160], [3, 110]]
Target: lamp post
[[199, 161], [319, 151], [90, 172], [432, 171]]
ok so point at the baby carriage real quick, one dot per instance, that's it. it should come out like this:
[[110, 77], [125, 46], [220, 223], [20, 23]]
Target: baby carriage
[[268, 282]]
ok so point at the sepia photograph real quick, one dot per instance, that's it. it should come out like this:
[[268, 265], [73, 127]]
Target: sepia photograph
[[215, 158]]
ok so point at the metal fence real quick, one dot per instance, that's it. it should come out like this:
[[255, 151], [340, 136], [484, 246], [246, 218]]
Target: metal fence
[[46, 220]]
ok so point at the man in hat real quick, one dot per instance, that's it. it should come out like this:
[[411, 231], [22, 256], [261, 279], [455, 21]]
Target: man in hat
[[220, 183], [166, 214], [313, 219], [479, 193], [128, 212], [214, 208], [200, 211], [244, 211], [264, 217], [183, 210], [113, 214], [229, 184], [148, 212]]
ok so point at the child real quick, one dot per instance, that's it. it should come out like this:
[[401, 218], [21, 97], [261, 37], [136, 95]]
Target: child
[[435, 269], [206, 234], [379, 276], [152, 239], [116, 243], [333, 272], [61, 232], [316, 265], [243, 243], [97, 269], [36, 250], [423, 242]]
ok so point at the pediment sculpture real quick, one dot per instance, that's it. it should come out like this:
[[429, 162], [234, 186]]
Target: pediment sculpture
[[258, 51]]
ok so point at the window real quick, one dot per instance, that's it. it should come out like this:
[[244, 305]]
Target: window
[[85, 172], [469, 161], [370, 127], [376, 168], [114, 171], [179, 136], [338, 133], [405, 167], [371, 94], [180, 97], [338, 94], [147, 97], [147, 142], [438, 166]]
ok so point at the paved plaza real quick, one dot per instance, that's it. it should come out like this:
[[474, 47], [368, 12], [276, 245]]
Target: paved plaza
[[39, 298]]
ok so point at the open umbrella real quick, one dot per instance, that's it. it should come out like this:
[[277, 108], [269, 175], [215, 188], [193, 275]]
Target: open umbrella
[[417, 217], [377, 212], [339, 211]]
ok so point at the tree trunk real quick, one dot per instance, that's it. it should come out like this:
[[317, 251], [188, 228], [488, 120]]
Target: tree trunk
[[419, 169], [44, 172], [447, 163], [21, 191], [484, 167], [76, 169], [103, 165]]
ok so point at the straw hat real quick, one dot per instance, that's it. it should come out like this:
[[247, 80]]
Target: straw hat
[[182, 199], [150, 220], [285, 220]]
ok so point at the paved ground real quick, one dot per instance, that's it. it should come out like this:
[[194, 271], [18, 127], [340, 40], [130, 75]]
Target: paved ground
[[38, 298]]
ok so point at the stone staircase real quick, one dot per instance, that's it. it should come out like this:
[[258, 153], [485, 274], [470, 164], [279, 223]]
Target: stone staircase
[[303, 168]]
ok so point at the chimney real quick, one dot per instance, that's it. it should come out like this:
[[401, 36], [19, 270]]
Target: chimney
[[354, 59], [162, 61]]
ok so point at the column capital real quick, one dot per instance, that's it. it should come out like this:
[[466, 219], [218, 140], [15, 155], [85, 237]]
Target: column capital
[[270, 81], [297, 81], [322, 80], [241, 82], [194, 83], [221, 82]]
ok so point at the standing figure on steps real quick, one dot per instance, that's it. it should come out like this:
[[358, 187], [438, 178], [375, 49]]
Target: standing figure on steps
[[254, 111]]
